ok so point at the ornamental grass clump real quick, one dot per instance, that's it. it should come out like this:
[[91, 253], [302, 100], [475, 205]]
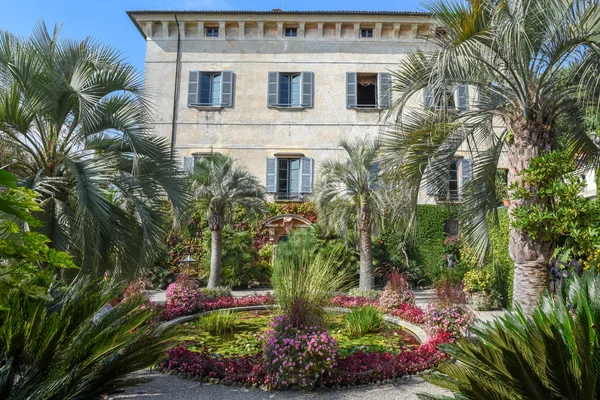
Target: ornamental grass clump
[[304, 281], [218, 322], [362, 321]]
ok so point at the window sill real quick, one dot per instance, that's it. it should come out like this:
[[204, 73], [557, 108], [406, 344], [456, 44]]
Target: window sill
[[368, 109], [288, 108], [207, 108]]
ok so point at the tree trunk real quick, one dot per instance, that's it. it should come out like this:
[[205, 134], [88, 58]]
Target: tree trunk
[[366, 254], [531, 257], [216, 246], [215, 223]]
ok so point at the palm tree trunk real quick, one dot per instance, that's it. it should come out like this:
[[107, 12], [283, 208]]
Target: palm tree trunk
[[530, 257], [366, 280], [216, 246], [215, 223]]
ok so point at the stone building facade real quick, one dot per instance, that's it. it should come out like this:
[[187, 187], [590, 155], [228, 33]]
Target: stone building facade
[[279, 90]]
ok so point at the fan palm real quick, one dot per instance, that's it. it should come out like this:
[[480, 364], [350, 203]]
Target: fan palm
[[553, 355], [74, 122], [64, 347], [348, 192], [516, 56], [219, 184]]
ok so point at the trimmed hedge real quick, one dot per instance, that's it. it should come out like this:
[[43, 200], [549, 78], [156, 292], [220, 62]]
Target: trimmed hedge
[[429, 248]]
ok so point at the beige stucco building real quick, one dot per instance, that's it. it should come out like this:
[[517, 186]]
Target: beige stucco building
[[278, 90]]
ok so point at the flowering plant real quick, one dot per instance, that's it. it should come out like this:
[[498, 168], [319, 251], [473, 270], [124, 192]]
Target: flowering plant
[[352, 301], [453, 319], [391, 299], [477, 280], [297, 355], [408, 312], [183, 297]]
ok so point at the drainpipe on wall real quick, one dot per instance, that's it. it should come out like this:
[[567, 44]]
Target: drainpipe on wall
[[176, 91]]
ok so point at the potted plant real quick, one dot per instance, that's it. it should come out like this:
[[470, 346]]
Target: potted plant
[[478, 285]]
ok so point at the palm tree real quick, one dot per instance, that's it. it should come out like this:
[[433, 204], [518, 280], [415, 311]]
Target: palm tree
[[68, 344], [219, 184], [513, 54], [74, 126], [348, 192], [552, 355]]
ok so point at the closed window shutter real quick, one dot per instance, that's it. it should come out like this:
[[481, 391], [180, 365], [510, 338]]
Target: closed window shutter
[[307, 175], [462, 97], [466, 171], [307, 89], [193, 88], [384, 87], [428, 98], [351, 90], [188, 163], [226, 88], [273, 90], [271, 180]]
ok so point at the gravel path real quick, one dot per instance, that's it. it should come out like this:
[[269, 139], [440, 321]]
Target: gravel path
[[169, 387]]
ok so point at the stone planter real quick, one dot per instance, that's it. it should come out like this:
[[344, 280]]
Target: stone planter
[[480, 301]]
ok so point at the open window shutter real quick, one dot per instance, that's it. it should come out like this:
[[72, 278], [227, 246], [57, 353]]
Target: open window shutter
[[273, 91], [226, 88], [307, 89], [384, 87], [462, 97], [466, 167], [351, 90], [428, 98], [307, 175], [188, 163], [193, 87], [271, 181]]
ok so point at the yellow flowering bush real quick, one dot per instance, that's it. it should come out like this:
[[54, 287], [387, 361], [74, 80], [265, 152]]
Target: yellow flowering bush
[[477, 280]]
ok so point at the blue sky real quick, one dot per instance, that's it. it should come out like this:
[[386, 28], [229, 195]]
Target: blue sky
[[106, 19]]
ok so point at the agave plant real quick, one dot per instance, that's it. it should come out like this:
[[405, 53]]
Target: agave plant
[[75, 128], [70, 345], [555, 354]]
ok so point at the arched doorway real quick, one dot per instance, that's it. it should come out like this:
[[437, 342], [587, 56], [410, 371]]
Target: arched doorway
[[281, 225]]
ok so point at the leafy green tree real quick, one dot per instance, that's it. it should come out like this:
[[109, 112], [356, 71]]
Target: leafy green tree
[[219, 185], [68, 345], [348, 193], [511, 55], [75, 128], [552, 355]]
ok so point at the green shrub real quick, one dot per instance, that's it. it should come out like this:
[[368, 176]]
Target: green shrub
[[221, 291], [429, 249], [554, 354], [218, 322], [304, 281], [501, 264], [361, 321], [369, 294]]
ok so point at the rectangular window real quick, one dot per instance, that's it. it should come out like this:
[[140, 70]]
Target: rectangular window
[[212, 32], [210, 89], [366, 32], [437, 100], [289, 177], [453, 188], [291, 32], [289, 90], [368, 90]]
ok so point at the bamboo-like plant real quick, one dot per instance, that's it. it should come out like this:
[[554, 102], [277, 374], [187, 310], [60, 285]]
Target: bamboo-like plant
[[555, 354], [304, 280]]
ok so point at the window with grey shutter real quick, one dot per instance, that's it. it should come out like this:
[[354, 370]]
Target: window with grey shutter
[[307, 89], [227, 89], [384, 88], [193, 87], [188, 163], [271, 180], [273, 89], [351, 90], [466, 167], [462, 97], [428, 97], [307, 175]]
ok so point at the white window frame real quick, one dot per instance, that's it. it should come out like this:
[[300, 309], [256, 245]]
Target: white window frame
[[212, 29], [214, 90], [368, 32], [292, 30]]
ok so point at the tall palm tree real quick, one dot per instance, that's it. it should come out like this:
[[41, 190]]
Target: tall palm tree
[[219, 184], [74, 126], [348, 192], [513, 54]]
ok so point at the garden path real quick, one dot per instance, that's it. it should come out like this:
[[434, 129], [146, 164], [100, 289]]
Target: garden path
[[170, 387]]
